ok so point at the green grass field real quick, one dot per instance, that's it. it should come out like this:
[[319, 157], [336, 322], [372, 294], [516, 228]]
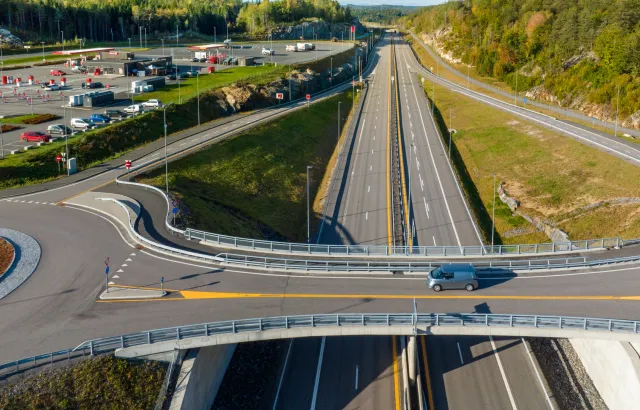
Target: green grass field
[[254, 185], [172, 93], [553, 176]]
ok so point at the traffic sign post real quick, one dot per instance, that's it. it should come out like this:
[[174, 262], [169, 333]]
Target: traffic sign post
[[308, 97], [106, 272], [127, 165], [162, 284], [58, 160], [279, 97]]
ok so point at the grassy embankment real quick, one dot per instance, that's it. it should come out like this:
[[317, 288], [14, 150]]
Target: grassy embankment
[[171, 93], [430, 62], [554, 177], [30, 119], [38, 165], [254, 185], [96, 383]]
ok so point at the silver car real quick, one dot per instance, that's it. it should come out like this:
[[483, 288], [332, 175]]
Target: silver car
[[453, 276]]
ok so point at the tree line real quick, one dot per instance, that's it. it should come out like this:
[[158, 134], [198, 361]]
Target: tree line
[[118, 20], [542, 40]]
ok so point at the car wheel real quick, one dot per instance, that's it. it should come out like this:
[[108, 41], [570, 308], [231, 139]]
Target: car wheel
[[437, 288], [469, 287]]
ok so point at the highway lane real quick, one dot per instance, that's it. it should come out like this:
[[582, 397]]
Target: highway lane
[[445, 220], [625, 150]]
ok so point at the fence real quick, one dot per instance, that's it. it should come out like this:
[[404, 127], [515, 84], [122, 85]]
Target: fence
[[230, 327]]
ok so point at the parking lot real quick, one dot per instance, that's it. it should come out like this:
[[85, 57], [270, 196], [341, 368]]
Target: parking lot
[[56, 102]]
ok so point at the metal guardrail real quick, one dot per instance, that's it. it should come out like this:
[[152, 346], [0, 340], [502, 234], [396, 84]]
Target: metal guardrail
[[110, 344]]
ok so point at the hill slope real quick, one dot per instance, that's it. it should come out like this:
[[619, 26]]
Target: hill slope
[[573, 53]]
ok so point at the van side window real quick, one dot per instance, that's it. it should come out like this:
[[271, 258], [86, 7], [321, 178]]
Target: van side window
[[448, 275], [436, 273]]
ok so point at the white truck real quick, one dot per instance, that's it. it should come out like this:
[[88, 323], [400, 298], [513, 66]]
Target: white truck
[[306, 46]]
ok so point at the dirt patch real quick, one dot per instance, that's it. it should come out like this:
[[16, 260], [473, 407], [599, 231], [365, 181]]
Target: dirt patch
[[6, 255]]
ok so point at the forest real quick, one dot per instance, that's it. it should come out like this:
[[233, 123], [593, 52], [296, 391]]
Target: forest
[[118, 20], [577, 48], [380, 14]]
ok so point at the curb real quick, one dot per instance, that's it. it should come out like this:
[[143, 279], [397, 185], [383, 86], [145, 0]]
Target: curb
[[13, 260], [27, 253]]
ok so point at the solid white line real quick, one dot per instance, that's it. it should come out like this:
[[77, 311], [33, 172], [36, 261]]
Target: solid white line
[[434, 241], [369, 188], [284, 368], [356, 377], [546, 393], [366, 215], [426, 207], [317, 383], [460, 353], [504, 376]]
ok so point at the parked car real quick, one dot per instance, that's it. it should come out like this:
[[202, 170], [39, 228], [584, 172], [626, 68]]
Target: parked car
[[227, 60], [134, 109], [152, 104], [195, 60], [79, 69], [234, 61], [170, 77], [202, 60], [100, 119], [82, 123], [183, 76], [96, 84], [57, 72], [115, 114], [59, 129], [34, 136], [267, 51], [52, 87]]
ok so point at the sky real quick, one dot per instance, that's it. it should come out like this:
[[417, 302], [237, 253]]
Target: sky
[[392, 2]]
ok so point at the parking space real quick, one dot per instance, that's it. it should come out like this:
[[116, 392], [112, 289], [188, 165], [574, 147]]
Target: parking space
[[28, 99]]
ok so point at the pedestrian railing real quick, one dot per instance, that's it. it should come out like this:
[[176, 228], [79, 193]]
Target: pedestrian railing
[[230, 327]]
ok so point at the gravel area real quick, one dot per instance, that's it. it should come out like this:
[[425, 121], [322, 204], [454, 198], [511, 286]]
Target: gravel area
[[27, 256], [570, 383], [6, 255], [251, 376]]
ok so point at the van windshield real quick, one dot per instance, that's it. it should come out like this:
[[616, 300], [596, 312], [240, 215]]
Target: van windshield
[[436, 273]]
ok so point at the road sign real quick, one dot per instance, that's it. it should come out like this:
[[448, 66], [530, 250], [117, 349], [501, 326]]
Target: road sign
[[280, 96], [525, 100], [106, 270], [58, 158], [127, 164], [308, 96], [353, 29], [176, 210]]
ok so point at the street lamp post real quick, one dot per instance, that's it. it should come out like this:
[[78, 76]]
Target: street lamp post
[[339, 146], [140, 29], [198, 92], [617, 107], [42, 44], [178, 80], [331, 73], [1, 141], [129, 38], [308, 207], [450, 132], [66, 140], [62, 33], [493, 218], [166, 160], [410, 204], [162, 39]]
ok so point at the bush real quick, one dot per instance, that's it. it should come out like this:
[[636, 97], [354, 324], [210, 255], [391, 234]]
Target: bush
[[40, 118]]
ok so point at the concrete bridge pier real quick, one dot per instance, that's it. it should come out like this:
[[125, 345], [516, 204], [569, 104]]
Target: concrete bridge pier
[[412, 359]]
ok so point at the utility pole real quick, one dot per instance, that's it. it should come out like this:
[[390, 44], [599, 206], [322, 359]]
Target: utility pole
[[1, 141], [493, 218], [467, 75], [339, 146], [129, 38], [42, 44], [140, 30], [411, 148], [162, 39], [450, 132], [308, 207], [166, 160], [617, 108], [215, 35], [198, 88], [62, 32], [515, 92], [177, 33]]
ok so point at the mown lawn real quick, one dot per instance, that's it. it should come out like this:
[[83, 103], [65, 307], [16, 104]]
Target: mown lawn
[[96, 383], [254, 185], [554, 177], [172, 93]]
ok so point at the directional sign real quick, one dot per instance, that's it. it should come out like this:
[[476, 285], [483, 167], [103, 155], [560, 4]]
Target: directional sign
[[280, 96], [106, 270], [176, 210], [127, 164], [525, 100], [106, 261], [308, 96]]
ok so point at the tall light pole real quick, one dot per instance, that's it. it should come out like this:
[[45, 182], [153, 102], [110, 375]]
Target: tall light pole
[[162, 39], [493, 218], [410, 203], [42, 44], [166, 159], [129, 38], [1, 141], [140, 29], [617, 107], [62, 33], [198, 88], [515, 92], [339, 146], [215, 35], [308, 207], [66, 140], [450, 126], [331, 73], [178, 80], [145, 37]]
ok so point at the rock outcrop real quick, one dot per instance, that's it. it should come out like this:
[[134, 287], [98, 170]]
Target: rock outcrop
[[9, 40], [319, 28]]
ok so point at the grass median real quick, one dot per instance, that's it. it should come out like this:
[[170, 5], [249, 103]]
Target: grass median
[[254, 185], [583, 191]]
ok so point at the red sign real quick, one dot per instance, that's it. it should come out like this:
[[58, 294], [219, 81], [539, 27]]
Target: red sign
[[113, 53], [127, 164], [279, 96], [353, 29], [308, 96], [58, 158]]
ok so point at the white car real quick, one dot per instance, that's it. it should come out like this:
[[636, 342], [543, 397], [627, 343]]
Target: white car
[[52, 87], [134, 109], [268, 52], [152, 104], [82, 123]]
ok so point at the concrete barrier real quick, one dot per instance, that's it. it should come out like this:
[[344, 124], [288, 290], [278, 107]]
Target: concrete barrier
[[14, 151], [27, 147], [614, 368], [200, 377]]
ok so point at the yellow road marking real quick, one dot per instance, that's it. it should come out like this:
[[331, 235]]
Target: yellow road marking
[[427, 376], [396, 378], [389, 233], [403, 183]]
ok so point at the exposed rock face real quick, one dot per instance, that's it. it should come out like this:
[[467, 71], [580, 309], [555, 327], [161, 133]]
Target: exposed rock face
[[512, 203], [574, 60], [8, 39], [319, 28]]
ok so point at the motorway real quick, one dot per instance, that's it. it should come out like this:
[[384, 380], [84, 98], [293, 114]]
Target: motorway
[[57, 308]]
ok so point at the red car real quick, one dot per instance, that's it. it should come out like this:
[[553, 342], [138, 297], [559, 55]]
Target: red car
[[33, 136], [57, 72]]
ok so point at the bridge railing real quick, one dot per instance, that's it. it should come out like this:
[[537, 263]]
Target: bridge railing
[[229, 327]]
